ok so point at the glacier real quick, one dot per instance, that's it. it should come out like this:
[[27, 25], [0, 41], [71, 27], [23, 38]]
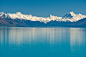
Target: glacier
[[71, 16]]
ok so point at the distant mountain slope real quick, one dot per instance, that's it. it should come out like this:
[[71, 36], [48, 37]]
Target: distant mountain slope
[[20, 20], [71, 16], [20, 23], [80, 23], [6, 23], [29, 23]]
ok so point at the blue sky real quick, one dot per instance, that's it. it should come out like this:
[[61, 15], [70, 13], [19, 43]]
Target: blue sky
[[43, 8]]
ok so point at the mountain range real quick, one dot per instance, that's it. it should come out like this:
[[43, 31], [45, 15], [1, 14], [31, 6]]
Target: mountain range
[[21, 20]]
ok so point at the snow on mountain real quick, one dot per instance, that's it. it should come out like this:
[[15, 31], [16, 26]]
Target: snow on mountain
[[1, 13], [71, 16]]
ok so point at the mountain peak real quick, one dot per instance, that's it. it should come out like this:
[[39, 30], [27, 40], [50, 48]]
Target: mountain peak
[[1, 12], [18, 12], [69, 15], [72, 13]]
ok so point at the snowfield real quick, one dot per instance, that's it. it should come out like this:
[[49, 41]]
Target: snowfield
[[71, 16]]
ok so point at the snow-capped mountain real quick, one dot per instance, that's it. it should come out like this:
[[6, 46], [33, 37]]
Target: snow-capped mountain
[[71, 16]]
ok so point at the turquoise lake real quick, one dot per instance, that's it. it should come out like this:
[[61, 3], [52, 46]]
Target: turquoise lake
[[42, 42]]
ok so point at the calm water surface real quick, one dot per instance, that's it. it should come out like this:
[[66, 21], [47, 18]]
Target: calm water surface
[[42, 42]]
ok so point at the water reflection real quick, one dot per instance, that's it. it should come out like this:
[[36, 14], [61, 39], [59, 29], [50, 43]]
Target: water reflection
[[57, 40], [48, 35], [19, 35], [78, 40]]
